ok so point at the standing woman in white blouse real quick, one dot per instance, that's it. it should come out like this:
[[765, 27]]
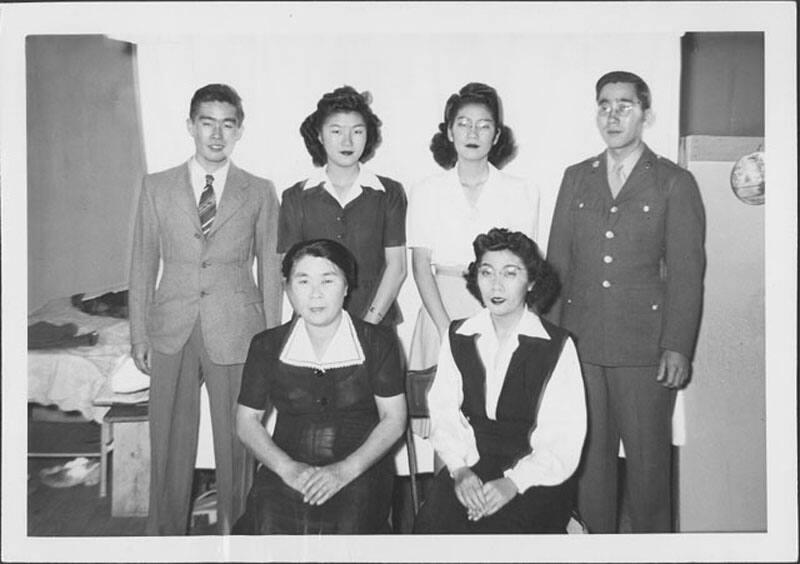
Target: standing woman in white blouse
[[449, 209], [508, 414]]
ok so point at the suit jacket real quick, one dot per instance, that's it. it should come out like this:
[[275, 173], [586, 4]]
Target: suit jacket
[[207, 276], [631, 267]]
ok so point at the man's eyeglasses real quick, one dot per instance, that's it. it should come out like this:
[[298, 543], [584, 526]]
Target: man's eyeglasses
[[622, 109]]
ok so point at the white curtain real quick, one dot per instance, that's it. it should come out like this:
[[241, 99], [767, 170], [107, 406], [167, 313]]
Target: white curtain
[[546, 81]]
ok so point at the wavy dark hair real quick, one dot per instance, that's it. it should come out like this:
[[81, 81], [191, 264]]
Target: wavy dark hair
[[613, 77], [216, 93], [444, 152], [344, 99], [545, 280], [335, 252]]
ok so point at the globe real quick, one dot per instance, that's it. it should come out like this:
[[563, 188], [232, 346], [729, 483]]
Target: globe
[[747, 178]]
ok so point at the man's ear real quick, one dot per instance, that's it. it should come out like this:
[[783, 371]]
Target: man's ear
[[190, 126], [649, 117], [239, 131]]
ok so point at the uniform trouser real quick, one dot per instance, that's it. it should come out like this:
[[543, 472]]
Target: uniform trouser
[[627, 403], [174, 421]]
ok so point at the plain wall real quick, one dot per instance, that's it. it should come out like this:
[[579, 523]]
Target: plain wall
[[722, 84], [722, 474], [85, 159], [723, 469]]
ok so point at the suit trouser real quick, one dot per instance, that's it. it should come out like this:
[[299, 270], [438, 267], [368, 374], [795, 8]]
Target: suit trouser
[[174, 423], [627, 403]]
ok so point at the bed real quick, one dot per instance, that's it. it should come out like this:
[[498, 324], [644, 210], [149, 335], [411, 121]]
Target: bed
[[85, 379]]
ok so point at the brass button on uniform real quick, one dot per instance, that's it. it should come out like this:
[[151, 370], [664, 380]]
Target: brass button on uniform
[[608, 259], [614, 209], [606, 284], [609, 234]]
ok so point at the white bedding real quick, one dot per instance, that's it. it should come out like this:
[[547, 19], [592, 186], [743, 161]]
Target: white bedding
[[80, 378]]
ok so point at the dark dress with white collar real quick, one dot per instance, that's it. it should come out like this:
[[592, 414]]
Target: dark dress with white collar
[[323, 416], [502, 442], [373, 221]]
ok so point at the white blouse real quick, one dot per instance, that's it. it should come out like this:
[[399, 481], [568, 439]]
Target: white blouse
[[441, 218], [557, 439]]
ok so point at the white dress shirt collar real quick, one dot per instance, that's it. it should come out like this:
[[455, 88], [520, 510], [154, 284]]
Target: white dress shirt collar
[[197, 174], [365, 178], [627, 163], [344, 349], [481, 323]]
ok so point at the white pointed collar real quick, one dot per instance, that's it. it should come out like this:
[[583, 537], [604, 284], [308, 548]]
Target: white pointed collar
[[365, 178], [481, 323], [343, 350]]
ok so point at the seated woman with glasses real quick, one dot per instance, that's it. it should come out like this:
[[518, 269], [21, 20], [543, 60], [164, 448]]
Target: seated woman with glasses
[[343, 201], [508, 415], [337, 385], [447, 211]]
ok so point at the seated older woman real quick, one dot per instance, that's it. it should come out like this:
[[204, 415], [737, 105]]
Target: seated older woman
[[337, 385], [508, 415]]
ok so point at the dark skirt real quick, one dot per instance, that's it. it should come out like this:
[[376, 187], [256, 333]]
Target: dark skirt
[[541, 509], [361, 507]]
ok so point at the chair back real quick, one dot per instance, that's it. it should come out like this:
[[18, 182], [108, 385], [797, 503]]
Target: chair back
[[418, 382]]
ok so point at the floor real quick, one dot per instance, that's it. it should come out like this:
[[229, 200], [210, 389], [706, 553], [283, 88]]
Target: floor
[[80, 511]]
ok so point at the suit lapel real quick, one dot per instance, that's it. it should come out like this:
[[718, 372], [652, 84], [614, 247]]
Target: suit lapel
[[183, 196], [233, 196]]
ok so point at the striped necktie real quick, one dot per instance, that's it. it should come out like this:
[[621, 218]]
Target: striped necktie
[[208, 205]]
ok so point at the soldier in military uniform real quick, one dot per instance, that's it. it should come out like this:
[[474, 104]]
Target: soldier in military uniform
[[627, 241]]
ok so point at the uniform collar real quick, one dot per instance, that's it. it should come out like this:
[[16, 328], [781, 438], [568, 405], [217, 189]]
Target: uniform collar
[[628, 163], [343, 350], [481, 324]]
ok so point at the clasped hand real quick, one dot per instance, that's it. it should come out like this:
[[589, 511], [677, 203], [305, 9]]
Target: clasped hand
[[482, 500], [318, 483]]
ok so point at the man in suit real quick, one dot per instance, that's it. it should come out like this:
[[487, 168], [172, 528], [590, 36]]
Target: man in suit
[[204, 221], [627, 241]]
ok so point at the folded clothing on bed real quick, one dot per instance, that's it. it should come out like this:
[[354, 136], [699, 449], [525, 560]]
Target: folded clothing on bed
[[45, 335]]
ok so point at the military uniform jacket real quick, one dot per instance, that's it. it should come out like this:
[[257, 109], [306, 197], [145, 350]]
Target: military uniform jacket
[[209, 276], [631, 267]]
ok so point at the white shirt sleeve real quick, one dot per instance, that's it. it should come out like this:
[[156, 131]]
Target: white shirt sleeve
[[558, 438], [451, 434]]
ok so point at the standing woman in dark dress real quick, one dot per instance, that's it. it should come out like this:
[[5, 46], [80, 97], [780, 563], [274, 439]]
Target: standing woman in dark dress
[[343, 201], [508, 414], [337, 385]]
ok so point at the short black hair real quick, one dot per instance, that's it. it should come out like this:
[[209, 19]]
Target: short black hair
[[614, 77], [335, 252], [344, 99], [545, 280], [217, 93], [444, 152]]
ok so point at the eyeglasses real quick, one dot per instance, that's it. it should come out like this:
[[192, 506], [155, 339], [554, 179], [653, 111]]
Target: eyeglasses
[[622, 109], [481, 126], [508, 273]]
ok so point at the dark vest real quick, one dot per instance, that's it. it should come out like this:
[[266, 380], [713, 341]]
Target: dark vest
[[505, 440]]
